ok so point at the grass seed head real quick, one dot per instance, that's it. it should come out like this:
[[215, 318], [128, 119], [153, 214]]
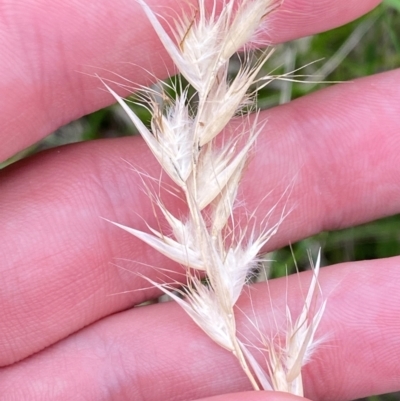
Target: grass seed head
[[208, 173]]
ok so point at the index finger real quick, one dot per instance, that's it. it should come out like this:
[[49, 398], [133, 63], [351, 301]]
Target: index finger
[[46, 45]]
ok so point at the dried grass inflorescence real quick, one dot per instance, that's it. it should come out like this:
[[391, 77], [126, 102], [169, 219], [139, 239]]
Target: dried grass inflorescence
[[207, 242]]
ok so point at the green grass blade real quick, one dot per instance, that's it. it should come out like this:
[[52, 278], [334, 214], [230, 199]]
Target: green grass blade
[[392, 3]]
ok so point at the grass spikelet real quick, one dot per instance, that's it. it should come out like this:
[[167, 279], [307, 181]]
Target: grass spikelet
[[207, 171], [286, 361]]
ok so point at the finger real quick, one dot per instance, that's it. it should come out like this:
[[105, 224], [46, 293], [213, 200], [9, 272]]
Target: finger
[[254, 396], [299, 18], [52, 52], [59, 257], [124, 355]]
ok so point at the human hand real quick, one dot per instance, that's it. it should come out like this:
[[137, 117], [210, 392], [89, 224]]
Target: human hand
[[63, 336]]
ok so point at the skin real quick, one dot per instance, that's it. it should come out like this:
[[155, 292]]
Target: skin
[[67, 332]]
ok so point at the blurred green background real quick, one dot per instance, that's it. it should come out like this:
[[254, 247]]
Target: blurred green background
[[367, 46]]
